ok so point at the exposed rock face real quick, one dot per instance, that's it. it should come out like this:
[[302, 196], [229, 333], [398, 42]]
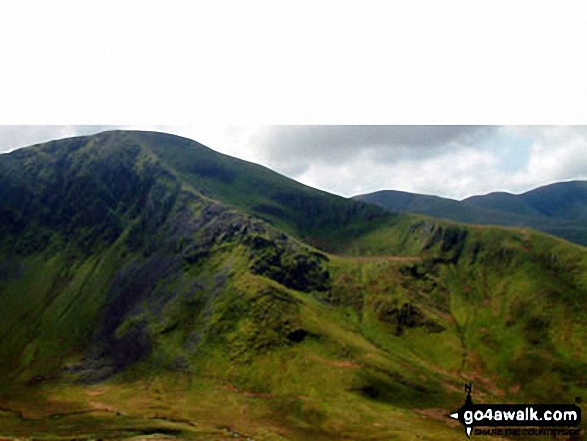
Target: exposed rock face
[[405, 316]]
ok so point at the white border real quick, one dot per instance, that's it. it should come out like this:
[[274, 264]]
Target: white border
[[302, 62]]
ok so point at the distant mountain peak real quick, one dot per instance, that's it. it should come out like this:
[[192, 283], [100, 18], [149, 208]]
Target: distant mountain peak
[[559, 208]]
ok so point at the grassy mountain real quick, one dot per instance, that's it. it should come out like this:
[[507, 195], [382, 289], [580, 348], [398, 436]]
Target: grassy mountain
[[559, 209], [148, 290], [563, 200], [293, 207]]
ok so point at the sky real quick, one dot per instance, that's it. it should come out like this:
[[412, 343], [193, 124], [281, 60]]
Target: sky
[[450, 98], [448, 161]]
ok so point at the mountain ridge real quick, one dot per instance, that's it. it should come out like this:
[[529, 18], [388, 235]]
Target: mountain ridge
[[144, 292], [559, 208]]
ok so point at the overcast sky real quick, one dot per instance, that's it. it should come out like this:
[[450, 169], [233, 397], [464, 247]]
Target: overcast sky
[[224, 72], [449, 161]]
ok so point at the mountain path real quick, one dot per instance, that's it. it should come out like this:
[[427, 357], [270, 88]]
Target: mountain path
[[381, 258]]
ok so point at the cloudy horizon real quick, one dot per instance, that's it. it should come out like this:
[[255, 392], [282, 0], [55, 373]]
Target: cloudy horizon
[[448, 161]]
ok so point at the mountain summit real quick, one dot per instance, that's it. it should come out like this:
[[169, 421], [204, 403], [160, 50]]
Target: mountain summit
[[153, 287]]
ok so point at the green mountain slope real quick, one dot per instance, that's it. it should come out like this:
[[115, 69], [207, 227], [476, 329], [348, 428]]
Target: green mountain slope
[[300, 210], [559, 209], [144, 293]]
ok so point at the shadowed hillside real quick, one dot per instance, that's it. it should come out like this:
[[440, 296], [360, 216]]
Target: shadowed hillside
[[153, 287]]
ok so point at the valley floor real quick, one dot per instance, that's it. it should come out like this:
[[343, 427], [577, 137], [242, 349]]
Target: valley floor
[[178, 406]]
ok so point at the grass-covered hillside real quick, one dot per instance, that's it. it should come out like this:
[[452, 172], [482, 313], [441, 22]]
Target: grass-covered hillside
[[154, 289]]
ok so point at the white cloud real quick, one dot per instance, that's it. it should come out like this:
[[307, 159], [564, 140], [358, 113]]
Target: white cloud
[[450, 161], [294, 150], [470, 161], [13, 137], [441, 175]]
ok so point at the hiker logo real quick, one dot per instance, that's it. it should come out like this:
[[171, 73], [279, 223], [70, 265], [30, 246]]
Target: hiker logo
[[509, 419]]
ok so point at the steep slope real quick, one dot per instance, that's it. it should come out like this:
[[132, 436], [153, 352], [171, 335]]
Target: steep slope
[[102, 226], [308, 213], [559, 209], [143, 293]]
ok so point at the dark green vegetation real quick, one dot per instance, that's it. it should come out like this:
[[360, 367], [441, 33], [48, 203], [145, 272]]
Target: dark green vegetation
[[559, 209], [151, 287]]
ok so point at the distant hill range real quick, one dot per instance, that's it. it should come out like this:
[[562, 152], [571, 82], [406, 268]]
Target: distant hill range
[[152, 288], [559, 209]]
